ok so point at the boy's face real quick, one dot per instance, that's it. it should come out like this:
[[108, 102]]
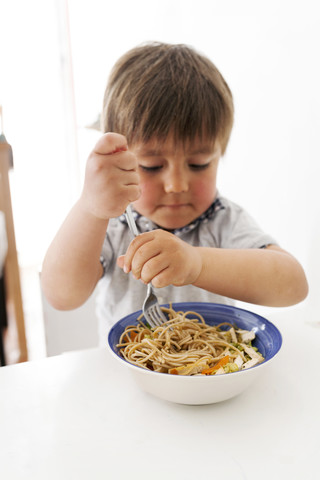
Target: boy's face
[[177, 184]]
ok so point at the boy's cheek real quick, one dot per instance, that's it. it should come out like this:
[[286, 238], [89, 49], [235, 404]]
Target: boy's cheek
[[146, 199], [205, 192], [147, 189], [206, 188]]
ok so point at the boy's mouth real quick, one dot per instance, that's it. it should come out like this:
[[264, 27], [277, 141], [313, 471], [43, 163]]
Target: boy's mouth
[[175, 205]]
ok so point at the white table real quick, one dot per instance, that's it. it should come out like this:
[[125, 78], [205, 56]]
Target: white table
[[81, 416]]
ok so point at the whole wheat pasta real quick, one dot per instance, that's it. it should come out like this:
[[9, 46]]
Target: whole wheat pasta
[[186, 345]]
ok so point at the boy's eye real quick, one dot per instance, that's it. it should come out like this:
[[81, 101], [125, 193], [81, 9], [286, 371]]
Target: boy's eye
[[150, 169], [196, 166]]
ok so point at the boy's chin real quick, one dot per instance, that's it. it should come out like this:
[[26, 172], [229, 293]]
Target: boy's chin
[[172, 224], [172, 218]]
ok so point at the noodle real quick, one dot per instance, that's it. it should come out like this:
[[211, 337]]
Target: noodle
[[186, 345]]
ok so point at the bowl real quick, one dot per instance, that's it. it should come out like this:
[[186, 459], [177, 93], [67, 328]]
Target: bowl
[[204, 389]]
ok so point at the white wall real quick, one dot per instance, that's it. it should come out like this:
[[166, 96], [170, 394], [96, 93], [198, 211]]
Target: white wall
[[70, 330], [38, 121]]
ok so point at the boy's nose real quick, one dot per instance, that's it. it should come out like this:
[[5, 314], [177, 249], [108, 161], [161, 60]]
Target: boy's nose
[[176, 182]]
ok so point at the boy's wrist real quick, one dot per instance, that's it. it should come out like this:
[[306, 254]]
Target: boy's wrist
[[88, 213], [199, 265]]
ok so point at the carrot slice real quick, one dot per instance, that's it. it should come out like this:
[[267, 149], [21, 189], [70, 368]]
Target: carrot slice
[[173, 371], [133, 335], [223, 361]]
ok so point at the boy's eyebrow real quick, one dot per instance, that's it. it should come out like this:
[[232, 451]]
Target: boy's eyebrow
[[151, 153], [205, 149], [162, 152]]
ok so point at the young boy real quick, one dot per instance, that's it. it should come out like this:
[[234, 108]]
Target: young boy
[[170, 113]]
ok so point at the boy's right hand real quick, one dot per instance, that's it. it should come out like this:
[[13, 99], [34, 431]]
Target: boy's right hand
[[111, 178]]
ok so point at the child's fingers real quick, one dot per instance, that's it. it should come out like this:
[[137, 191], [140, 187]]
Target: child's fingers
[[154, 268], [111, 143], [147, 261], [134, 247], [114, 147], [163, 278], [127, 162]]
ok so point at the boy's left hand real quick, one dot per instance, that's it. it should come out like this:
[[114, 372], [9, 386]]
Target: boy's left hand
[[161, 258]]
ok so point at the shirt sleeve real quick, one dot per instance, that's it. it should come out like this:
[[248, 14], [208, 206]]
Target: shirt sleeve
[[106, 255], [239, 230], [115, 243]]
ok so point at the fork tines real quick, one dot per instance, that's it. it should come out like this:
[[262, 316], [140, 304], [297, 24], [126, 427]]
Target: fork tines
[[154, 316]]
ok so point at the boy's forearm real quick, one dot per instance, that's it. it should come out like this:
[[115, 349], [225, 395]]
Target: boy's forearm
[[71, 267], [269, 276]]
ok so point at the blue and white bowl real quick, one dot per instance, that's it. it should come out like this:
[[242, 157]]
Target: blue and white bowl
[[202, 389]]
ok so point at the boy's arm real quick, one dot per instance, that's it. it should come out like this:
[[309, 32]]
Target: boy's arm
[[269, 276], [71, 268]]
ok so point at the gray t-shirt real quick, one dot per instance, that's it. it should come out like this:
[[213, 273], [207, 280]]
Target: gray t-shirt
[[223, 225]]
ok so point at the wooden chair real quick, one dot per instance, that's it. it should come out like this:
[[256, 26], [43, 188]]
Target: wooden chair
[[14, 337]]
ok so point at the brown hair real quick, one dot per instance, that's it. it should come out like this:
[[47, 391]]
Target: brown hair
[[158, 89]]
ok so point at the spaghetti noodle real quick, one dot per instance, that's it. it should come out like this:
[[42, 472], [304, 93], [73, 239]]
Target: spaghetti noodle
[[186, 345]]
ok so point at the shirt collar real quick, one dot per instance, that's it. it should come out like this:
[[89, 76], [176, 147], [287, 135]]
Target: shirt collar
[[146, 225]]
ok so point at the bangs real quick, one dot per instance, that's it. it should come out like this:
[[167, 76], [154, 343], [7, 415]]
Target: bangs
[[176, 92], [168, 112]]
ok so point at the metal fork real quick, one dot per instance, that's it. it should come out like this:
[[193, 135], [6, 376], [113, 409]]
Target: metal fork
[[151, 308]]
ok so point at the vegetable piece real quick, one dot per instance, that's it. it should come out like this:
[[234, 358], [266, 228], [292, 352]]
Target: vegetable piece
[[174, 371], [252, 353], [238, 361], [220, 371], [191, 368], [252, 363], [233, 335], [246, 336], [231, 367], [133, 335], [223, 361]]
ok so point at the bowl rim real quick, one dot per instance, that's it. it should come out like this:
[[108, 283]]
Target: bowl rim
[[233, 308]]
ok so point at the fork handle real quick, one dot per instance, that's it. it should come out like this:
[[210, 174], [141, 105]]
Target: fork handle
[[131, 221]]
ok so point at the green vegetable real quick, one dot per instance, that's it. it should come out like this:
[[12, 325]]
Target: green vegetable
[[231, 367]]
